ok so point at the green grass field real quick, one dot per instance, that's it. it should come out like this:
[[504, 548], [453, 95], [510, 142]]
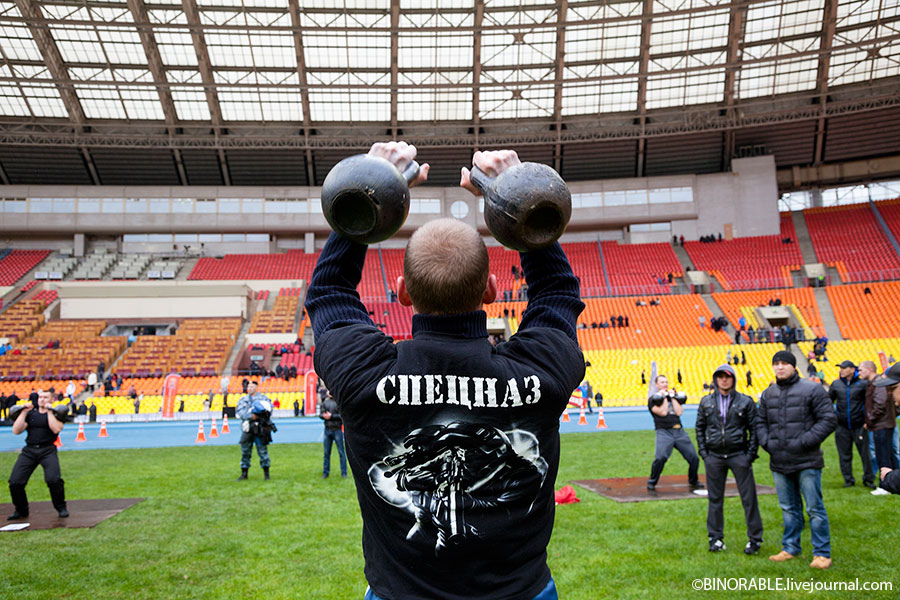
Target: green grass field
[[201, 534]]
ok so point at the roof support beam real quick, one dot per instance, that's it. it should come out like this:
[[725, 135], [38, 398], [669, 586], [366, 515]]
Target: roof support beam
[[476, 73], [829, 22], [562, 8], [735, 43], [206, 74], [643, 69], [54, 61], [154, 62], [395, 65], [294, 7]]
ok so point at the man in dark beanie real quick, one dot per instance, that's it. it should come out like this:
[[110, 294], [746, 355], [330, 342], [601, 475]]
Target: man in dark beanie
[[726, 439], [795, 417]]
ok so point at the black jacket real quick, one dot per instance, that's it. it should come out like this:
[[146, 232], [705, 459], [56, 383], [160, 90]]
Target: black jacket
[[736, 436], [849, 400], [335, 422], [795, 416], [891, 481]]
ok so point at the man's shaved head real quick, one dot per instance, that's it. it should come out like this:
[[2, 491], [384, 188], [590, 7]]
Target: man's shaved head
[[446, 268]]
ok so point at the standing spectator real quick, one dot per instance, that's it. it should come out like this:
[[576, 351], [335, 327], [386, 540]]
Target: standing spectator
[[881, 415], [70, 390], [679, 376], [666, 406], [848, 393], [33, 397], [4, 409], [252, 409], [132, 393], [742, 322], [749, 378], [795, 417], [92, 413], [587, 392], [598, 398], [334, 432], [92, 381], [726, 439], [296, 408]]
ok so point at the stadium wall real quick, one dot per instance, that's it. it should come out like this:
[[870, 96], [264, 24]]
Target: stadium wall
[[152, 300]]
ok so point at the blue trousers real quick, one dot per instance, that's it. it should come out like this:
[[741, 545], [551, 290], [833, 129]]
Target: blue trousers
[[247, 442], [792, 490], [336, 436], [548, 593]]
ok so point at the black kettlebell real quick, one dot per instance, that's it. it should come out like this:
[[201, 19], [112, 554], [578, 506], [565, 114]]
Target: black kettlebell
[[526, 207], [366, 198]]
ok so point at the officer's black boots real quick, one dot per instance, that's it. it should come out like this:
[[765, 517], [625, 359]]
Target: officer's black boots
[[243, 475]]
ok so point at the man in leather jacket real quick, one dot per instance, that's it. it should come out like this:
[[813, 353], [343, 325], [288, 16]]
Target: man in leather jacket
[[726, 439]]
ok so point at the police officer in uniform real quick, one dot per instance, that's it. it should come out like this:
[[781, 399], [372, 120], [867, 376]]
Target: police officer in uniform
[[43, 427]]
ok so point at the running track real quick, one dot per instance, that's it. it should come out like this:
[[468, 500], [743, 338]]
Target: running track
[[164, 434]]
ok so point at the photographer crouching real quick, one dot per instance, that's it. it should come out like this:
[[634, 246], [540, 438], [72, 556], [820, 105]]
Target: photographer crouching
[[255, 410], [43, 424], [666, 406]]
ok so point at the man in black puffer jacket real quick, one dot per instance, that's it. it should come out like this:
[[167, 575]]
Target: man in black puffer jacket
[[726, 439], [848, 393], [795, 417]]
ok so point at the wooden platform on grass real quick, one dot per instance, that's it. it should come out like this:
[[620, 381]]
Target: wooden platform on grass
[[670, 487], [82, 513]]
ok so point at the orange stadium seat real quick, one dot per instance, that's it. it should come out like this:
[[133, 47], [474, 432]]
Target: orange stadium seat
[[850, 235], [761, 262], [860, 315]]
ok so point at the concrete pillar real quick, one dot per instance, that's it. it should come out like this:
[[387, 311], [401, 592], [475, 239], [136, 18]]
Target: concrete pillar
[[309, 242], [78, 245]]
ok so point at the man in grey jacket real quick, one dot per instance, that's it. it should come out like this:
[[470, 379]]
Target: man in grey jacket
[[795, 417]]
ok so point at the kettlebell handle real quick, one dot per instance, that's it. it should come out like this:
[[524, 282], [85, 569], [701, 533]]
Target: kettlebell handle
[[411, 172], [480, 179]]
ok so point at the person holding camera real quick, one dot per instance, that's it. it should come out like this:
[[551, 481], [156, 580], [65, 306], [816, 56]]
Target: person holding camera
[[43, 425], [726, 439], [666, 405], [453, 442], [334, 432], [255, 411]]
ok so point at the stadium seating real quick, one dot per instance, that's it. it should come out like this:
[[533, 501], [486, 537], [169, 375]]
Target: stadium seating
[[62, 349], [588, 267], [616, 373], [890, 212], [855, 350], [737, 304], [199, 347], [21, 320], [17, 263], [860, 315], [761, 262], [850, 239], [636, 269], [293, 264], [283, 315]]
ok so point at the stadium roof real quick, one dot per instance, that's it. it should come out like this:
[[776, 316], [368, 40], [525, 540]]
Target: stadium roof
[[256, 91]]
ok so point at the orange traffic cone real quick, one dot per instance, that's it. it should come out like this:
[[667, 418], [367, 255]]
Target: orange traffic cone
[[58, 442], [582, 420], [201, 436], [601, 421], [225, 425], [103, 432], [213, 432], [566, 418], [80, 437]]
